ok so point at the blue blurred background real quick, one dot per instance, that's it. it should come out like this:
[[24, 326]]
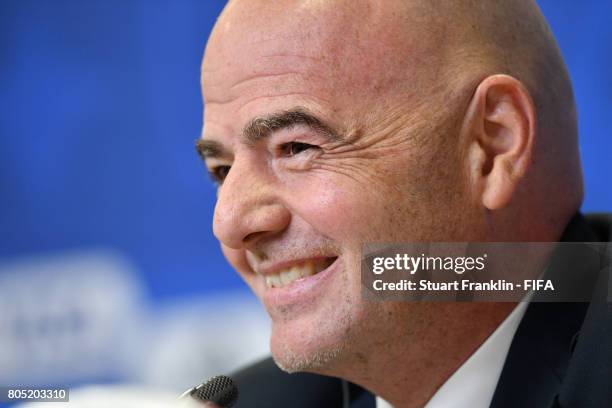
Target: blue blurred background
[[106, 249]]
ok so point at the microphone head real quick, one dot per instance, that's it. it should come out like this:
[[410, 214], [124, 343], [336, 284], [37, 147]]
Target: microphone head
[[219, 389]]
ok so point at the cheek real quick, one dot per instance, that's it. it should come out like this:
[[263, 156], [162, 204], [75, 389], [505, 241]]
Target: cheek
[[407, 205], [340, 211]]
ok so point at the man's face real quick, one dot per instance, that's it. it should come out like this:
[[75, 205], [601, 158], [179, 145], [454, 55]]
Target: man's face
[[318, 152]]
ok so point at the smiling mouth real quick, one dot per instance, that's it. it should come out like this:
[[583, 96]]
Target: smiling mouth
[[297, 271]]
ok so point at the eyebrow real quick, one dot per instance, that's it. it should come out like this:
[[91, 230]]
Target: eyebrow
[[261, 127]]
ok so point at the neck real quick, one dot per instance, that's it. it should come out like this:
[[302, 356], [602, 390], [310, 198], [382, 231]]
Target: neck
[[408, 366]]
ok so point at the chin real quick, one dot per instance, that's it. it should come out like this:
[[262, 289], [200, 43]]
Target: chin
[[311, 348]]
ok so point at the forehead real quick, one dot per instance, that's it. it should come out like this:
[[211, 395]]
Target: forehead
[[269, 56]]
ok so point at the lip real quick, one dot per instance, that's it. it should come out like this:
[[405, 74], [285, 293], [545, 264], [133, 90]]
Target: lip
[[301, 291]]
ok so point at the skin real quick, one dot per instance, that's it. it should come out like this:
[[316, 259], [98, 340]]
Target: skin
[[444, 127]]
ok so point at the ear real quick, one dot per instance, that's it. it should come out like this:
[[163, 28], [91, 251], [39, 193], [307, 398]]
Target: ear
[[499, 127]]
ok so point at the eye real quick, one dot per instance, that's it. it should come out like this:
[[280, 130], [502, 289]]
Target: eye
[[294, 148], [219, 173]]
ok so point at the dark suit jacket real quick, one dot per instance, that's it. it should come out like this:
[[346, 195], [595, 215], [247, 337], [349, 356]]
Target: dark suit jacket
[[560, 356]]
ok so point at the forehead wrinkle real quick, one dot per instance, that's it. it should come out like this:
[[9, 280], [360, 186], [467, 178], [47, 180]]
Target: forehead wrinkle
[[264, 75], [289, 55], [305, 95], [218, 101], [270, 37]]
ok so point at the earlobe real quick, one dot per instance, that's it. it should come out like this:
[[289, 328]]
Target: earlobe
[[500, 128]]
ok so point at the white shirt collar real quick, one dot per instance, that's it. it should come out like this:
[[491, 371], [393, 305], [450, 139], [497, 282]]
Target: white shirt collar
[[474, 383]]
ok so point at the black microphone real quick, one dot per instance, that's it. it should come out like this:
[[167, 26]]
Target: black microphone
[[220, 390]]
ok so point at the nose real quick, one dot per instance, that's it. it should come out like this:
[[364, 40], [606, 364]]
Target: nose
[[248, 209]]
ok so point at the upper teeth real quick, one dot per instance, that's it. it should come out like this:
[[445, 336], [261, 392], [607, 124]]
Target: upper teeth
[[286, 276]]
